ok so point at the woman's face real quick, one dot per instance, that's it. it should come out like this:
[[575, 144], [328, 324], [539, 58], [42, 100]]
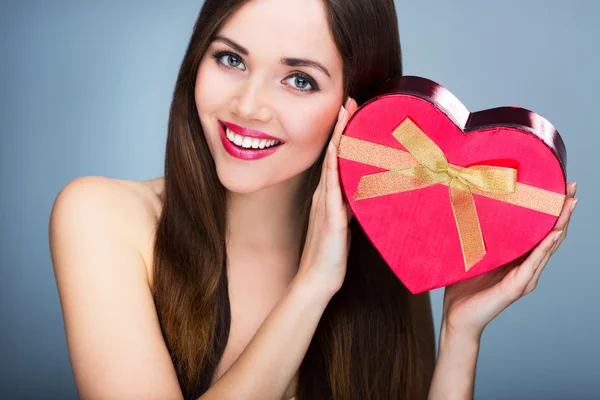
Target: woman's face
[[273, 71]]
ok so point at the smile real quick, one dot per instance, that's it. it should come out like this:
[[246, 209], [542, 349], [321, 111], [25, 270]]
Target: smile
[[245, 143]]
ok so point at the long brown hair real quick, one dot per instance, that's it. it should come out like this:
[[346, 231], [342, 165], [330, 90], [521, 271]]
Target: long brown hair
[[364, 346]]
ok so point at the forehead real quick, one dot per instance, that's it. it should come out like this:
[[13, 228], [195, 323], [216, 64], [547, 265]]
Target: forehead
[[283, 28]]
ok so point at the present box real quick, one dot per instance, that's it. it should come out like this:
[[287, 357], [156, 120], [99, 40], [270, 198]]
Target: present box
[[445, 194]]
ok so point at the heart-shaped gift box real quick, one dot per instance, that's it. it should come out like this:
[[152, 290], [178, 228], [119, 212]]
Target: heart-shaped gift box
[[445, 194]]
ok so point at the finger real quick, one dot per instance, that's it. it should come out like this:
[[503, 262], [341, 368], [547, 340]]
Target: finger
[[567, 210], [339, 126], [526, 271], [571, 189], [343, 117], [562, 237], [348, 109], [563, 221], [565, 213], [351, 106], [557, 242], [321, 186], [334, 202], [344, 114], [331, 178], [536, 276]]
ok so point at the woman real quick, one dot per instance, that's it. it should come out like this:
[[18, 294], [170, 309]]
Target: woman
[[241, 273]]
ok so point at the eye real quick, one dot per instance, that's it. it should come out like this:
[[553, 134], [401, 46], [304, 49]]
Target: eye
[[302, 83], [229, 60]]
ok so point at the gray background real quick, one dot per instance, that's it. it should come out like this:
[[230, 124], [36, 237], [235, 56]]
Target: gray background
[[86, 88]]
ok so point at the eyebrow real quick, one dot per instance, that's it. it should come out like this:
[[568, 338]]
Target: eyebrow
[[292, 62], [300, 62]]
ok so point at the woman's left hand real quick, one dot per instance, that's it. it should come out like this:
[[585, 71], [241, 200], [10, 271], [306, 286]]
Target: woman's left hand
[[471, 304]]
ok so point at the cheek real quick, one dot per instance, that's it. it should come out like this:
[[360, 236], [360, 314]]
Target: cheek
[[312, 126], [210, 88]]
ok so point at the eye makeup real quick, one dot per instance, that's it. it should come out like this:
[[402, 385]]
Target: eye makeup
[[298, 75]]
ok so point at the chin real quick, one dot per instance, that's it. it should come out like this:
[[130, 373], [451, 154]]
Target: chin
[[245, 185], [240, 189]]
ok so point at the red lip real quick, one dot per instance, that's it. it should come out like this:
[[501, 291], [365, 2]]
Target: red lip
[[243, 153], [249, 132]]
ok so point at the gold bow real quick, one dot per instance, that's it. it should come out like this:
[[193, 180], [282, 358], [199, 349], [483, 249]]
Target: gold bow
[[426, 165]]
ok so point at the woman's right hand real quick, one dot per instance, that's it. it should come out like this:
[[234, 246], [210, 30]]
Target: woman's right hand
[[327, 244]]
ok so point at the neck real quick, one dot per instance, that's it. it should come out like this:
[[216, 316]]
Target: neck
[[267, 221]]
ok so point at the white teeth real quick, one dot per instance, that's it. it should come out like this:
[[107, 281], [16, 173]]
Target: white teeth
[[248, 142]]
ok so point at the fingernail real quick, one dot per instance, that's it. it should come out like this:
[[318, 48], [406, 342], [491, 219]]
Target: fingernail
[[348, 102], [574, 204], [341, 114], [557, 236], [574, 188], [330, 148]]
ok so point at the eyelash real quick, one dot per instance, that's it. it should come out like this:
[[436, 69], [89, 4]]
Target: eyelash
[[314, 87]]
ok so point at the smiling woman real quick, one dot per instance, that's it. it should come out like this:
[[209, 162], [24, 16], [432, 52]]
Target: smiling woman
[[241, 274], [278, 73]]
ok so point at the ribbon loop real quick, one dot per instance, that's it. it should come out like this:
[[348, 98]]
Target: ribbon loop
[[453, 172], [404, 173], [434, 169]]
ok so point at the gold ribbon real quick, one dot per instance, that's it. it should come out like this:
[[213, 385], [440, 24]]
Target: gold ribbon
[[426, 165]]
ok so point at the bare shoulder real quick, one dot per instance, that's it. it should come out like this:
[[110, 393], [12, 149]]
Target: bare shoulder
[[128, 209], [98, 232], [123, 198]]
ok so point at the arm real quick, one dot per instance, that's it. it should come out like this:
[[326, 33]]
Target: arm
[[265, 368], [454, 374], [113, 335], [455, 368], [269, 362], [471, 304]]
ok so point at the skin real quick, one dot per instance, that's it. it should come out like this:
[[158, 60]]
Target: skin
[[101, 235], [469, 306], [255, 90], [261, 93], [103, 267]]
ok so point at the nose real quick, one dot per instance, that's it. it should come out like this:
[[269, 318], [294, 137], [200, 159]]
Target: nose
[[251, 103]]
